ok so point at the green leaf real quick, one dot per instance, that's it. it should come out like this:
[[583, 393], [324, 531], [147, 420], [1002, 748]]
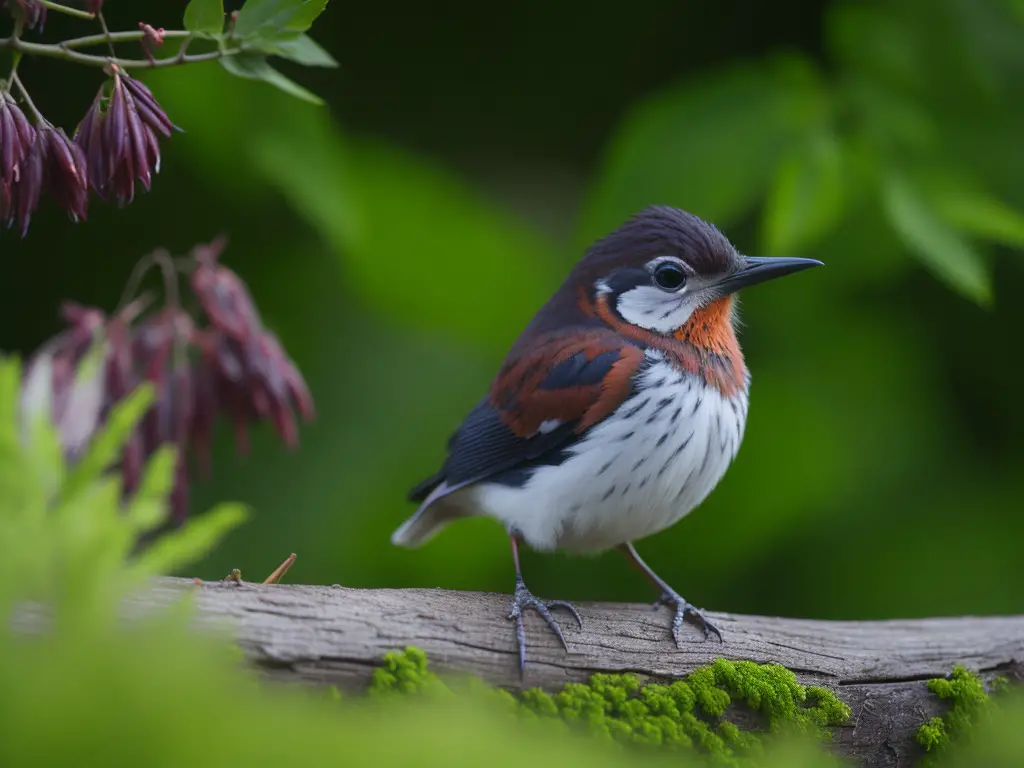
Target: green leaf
[[189, 544], [268, 16], [982, 215], [205, 16], [10, 386], [148, 504], [304, 16], [301, 49], [710, 146], [255, 67], [806, 199], [933, 241]]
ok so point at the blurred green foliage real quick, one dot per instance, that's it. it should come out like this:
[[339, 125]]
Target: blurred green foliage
[[398, 239]]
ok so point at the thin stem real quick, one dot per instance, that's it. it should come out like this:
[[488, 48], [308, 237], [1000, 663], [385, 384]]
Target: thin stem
[[134, 280], [170, 274], [58, 52], [118, 37], [106, 33], [280, 571], [15, 61], [16, 79], [58, 8]]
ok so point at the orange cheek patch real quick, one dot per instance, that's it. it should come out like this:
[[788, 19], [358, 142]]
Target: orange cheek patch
[[711, 328], [705, 345]]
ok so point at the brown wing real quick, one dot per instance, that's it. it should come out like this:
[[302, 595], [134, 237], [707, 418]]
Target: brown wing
[[539, 404]]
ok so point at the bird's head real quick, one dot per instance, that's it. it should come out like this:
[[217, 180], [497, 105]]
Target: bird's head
[[664, 265]]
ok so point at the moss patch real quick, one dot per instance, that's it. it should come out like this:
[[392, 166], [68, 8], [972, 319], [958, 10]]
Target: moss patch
[[686, 714], [969, 702]]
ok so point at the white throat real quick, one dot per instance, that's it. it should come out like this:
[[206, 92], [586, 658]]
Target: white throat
[[651, 308]]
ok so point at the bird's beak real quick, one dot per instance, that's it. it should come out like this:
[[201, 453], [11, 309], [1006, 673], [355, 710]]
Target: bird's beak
[[757, 269]]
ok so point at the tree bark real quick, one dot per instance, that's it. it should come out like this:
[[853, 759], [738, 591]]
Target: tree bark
[[333, 635]]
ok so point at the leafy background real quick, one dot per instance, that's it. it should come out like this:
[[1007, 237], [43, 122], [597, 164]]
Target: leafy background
[[399, 236]]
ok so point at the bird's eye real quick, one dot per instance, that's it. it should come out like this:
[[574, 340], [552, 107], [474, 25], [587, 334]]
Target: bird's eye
[[669, 276]]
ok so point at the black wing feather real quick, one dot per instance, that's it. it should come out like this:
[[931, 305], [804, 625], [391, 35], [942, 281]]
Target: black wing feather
[[485, 447]]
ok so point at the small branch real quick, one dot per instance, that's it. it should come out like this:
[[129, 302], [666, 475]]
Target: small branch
[[118, 37], [58, 8], [16, 80], [106, 33], [59, 52], [280, 571]]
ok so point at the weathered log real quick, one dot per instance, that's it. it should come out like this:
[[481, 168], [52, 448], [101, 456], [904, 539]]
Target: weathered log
[[334, 635]]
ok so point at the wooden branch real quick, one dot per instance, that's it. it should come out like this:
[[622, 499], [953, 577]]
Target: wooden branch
[[337, 636]]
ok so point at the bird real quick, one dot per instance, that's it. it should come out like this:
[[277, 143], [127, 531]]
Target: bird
[[616, 411]]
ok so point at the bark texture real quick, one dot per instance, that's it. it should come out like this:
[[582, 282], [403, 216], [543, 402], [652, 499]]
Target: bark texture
[[333, 635]]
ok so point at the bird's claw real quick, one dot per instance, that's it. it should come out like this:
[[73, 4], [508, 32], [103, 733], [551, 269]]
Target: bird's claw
[[683, 611], [524, 600]]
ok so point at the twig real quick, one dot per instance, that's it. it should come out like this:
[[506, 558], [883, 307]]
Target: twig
[[159, 257], [16, 79], [117, 37], [67, 11], [59, 52], [106, 33], [280, 571]]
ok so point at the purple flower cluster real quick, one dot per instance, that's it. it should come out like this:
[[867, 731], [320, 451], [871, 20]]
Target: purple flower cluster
[[115, 145], [223, 363], [119, 137], [31, 13]]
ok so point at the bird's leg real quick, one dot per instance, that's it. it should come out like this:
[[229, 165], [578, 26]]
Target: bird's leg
[[523, 599], [670, 597]]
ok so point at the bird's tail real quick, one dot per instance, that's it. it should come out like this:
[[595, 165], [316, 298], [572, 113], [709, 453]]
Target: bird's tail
[[436, 511]]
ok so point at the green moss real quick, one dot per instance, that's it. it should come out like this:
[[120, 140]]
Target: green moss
[[405, 672], [969, 702], [683, 715]]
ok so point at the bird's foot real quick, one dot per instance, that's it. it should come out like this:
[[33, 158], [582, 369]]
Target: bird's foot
[[524, 600], [686, 612]]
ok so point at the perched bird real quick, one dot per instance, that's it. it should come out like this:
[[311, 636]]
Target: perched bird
[[616, 411]]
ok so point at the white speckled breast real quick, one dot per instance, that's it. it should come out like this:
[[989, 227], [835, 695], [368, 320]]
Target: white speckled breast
[[646, 466]]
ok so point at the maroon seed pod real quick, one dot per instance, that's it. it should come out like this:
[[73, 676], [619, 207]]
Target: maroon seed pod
[[67, 178], [182, 404], [230, 360], [89, 137], [115, 128], [138, 146], [235, 404], [17, 137], [153, 357], [132, 462], [26, 191], [122, 183], [121, 379], [225, 300], [148, 107], [204, 411], [294, 385]]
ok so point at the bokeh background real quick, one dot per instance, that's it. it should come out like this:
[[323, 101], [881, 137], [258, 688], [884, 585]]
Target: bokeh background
[[400, 236]]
